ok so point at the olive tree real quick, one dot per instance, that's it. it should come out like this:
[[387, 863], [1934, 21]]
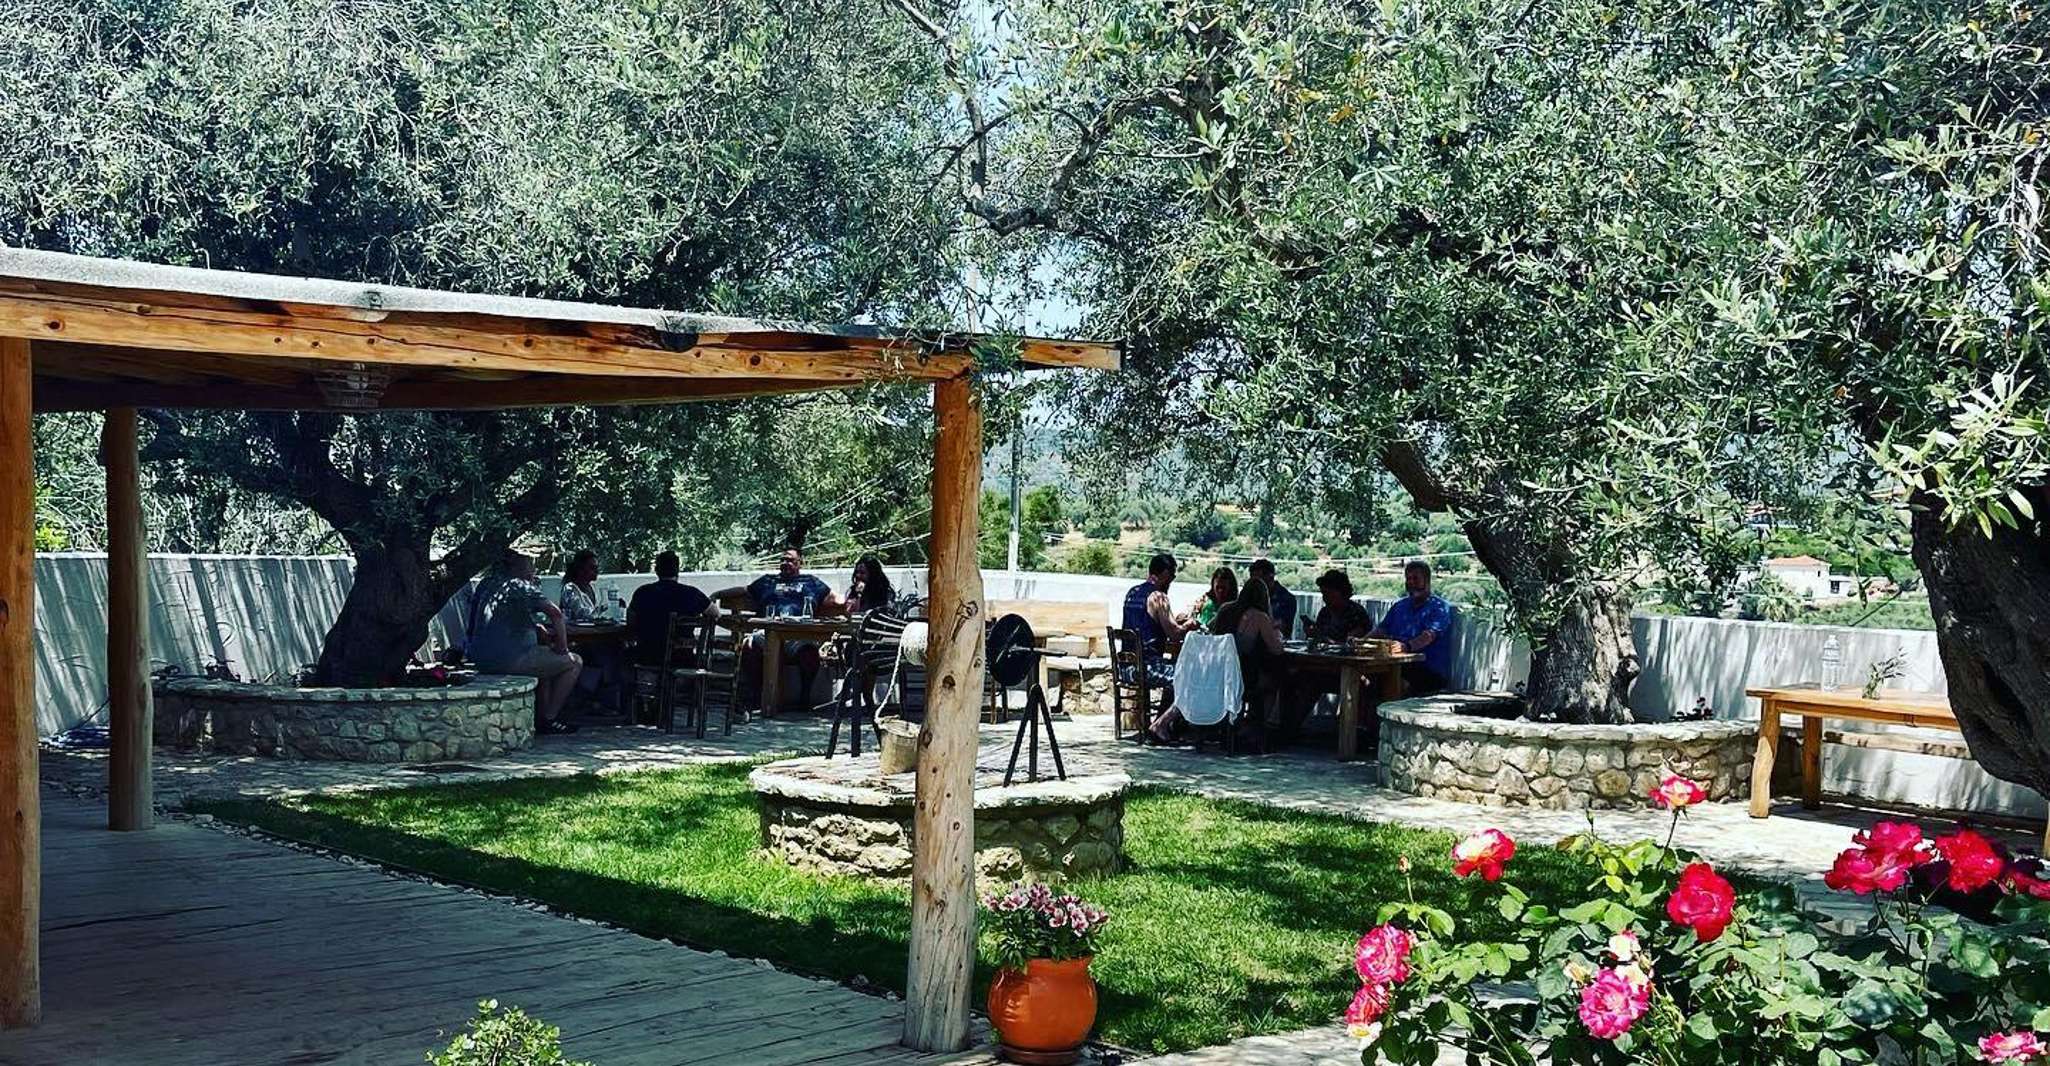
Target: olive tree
[[1469, 244], [738, 157]]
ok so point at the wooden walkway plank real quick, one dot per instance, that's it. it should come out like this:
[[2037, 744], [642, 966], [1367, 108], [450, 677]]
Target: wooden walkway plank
[[192, 947]]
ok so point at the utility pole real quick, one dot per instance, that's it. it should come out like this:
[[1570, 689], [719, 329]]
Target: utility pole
[[1017, 513]]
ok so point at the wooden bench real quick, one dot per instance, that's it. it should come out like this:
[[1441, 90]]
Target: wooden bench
[[1814, 705], [1060, 619]]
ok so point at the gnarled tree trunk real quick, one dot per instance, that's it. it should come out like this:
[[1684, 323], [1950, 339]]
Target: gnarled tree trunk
[[1581, 670], [384, 619], [1990, 597], [1583, 656]]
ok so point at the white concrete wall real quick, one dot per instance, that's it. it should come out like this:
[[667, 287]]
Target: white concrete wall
[[267, 615]]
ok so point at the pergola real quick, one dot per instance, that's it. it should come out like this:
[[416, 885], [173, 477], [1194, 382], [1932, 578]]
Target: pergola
[[80, 333]]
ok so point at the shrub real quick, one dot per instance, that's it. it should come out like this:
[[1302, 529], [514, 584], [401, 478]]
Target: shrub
[[1664, 963], [504, 1038], [1093, 558]]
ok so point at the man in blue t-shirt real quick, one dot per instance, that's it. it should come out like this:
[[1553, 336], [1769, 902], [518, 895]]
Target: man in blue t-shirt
[[787, 593], [1422, 621]]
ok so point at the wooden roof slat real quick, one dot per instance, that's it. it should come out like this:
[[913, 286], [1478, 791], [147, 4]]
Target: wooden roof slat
[[67, 394], [166, 328]]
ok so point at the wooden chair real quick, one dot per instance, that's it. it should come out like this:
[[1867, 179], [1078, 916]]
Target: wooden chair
[[1131, 688], [871, 660], [690, 670]]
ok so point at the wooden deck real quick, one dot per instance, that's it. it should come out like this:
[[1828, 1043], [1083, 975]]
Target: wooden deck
[[183, 945]]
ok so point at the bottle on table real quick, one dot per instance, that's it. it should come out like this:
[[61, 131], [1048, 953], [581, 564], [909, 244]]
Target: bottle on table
[[1832, 664]]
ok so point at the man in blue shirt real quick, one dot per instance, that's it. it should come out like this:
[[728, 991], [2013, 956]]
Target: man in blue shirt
[[1148, 613], [787, 593], [1422, 621], [502, 639]]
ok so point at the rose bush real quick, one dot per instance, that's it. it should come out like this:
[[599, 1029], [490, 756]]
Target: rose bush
[[1665, 962]]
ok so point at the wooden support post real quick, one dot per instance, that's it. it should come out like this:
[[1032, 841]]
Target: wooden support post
[[128, 692], [21, 856], [940, 981]]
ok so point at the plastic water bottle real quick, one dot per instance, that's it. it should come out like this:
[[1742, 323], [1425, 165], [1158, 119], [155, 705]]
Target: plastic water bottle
[[1832, 664], [618, 608]]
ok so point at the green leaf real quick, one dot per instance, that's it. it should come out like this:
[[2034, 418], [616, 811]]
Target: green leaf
[[1701, 1026]]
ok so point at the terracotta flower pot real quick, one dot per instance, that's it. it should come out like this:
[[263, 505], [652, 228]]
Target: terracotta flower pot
[[1043, 1015]]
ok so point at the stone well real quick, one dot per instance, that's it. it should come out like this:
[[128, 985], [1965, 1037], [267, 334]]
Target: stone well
[[1428, 748], [841, 816], [488, 716]]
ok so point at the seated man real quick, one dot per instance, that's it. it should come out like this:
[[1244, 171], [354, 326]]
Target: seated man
[[1283, 601], [789, 592], [1342, 617], [655, 603], [503, 639], [1421, 620], [1148, 614]]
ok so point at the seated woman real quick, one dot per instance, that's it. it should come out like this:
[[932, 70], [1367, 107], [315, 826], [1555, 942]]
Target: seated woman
[[1246, 620], [869, 588], [579, 587], [1224, 588], [603, 681]]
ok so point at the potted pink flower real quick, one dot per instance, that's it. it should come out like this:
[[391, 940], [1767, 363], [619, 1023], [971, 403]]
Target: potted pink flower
[[1042, 1002]]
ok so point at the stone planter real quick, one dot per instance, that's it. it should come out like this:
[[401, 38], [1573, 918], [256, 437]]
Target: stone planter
[[1428, 749], [489, 716], [841, 816]]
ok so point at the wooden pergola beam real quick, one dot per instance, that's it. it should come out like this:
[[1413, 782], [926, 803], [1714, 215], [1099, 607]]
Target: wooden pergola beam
[[131, 322], [61, 394], [21, 858]]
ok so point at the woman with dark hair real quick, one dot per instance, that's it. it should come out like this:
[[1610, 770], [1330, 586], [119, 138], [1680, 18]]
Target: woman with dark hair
[[869, 588], [1224, 588], [580, 588]]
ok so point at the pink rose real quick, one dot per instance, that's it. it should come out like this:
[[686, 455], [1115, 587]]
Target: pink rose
[[1974, 862], [1382, 957], [1486, 852], [1368, 1004], [2018, 1046], [1677, 793], [1612, 1003], [1702, 901]]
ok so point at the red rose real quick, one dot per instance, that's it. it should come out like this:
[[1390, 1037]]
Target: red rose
[[1856, 872], [1702, 901], [1894, 843], [1974, 863], [1485, 851]]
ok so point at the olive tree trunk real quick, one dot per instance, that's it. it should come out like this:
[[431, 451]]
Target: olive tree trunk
[[1583, 656], [384, 619], [1990, 597]]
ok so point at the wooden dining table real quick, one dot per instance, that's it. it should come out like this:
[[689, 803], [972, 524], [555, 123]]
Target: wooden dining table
[[1814, 704], [1352, 667], [777, 631], [589, 634]]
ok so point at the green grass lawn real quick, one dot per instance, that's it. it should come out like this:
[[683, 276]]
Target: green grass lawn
[[1233, 919]]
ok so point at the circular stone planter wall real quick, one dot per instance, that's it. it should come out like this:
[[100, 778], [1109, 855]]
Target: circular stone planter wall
[[488, 716], [1429, 750], [841, 816]]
